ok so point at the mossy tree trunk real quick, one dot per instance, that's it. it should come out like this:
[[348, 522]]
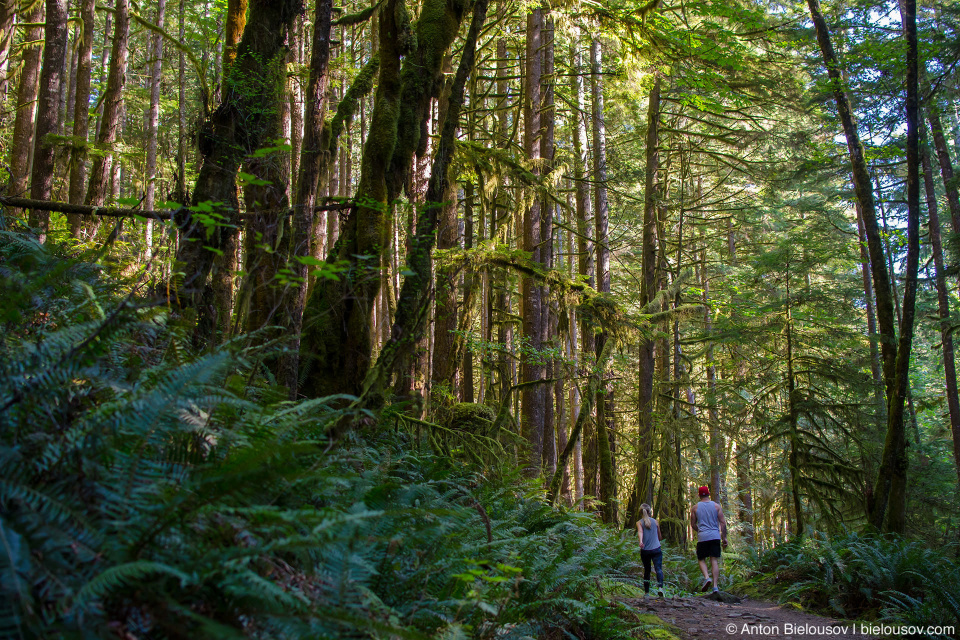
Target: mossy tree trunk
[[413, 307], [81, 114], [55, 36], [243, 122], [312, 155], [23, 124], [110, 121], [336, 346], [643, 489]]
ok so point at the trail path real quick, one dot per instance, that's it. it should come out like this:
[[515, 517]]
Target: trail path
[[698, 618]]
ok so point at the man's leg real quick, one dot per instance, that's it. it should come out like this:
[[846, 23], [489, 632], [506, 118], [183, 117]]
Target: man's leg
[[716, 573], [703, 569]]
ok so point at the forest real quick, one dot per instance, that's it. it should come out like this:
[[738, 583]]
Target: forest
[[383, 318]]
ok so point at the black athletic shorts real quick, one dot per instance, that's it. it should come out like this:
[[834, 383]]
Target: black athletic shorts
[[708, 549]]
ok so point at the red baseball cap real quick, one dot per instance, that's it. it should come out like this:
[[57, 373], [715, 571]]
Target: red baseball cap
[[704, 491]]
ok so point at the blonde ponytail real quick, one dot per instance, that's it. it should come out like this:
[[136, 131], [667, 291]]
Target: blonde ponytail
[[647, 519]]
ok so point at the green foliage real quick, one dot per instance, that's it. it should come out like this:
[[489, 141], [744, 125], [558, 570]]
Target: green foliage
[[889, 579], [155, 494]]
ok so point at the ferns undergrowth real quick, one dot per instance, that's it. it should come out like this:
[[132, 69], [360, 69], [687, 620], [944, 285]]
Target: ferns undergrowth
[[884, 578], [148, 493]]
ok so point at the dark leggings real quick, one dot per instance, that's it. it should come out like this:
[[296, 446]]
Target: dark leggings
[[657, 557]]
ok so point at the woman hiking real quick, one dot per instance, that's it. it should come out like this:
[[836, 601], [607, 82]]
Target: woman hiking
[[648, 531]]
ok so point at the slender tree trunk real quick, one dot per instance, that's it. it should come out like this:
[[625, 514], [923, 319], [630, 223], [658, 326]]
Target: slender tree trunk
[[81, 114], [533, 397], [608, 487], [744, 494], [793, 404], [469, 286], [23, 127], [8, 9], [643, 488], [311, 158], [55, 34], [585, 252], [894, 457], [891, 489], [943, 305], [110, 123], [181, 188], [946, 168], [153, 121]]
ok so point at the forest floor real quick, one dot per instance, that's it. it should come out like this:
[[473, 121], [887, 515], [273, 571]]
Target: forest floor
[[699, 618]]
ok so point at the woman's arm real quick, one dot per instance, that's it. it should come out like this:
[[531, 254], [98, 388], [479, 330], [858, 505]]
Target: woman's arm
[[640, 534], [659, 535]]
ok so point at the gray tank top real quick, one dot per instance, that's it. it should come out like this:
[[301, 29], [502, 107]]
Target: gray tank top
[[651, 541], [708, 524]]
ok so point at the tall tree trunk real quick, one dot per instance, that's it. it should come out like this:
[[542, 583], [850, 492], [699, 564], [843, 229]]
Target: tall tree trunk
[[23, 126], [532, 369], [181, 188], [312, 156], [245, 119], [55, 36], [8, 9], [891, 490], [643, 488], [793, 415], [337, 339], [413, 305], [233, 30], [875, 365], [946, 168], [81, 114], [547, 210], [894, 458], [744, 494], [97, 191], [153, 121], [943, 306], [585, 251], [444, 366], [608, 486]]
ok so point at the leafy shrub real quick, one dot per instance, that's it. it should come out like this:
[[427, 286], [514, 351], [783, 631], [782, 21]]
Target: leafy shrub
[[149, 493]]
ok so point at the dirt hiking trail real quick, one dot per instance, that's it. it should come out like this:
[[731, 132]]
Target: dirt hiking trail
[[698, 618]]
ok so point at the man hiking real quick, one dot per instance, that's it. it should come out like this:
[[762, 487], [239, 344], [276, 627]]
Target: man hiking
[[706, 518]]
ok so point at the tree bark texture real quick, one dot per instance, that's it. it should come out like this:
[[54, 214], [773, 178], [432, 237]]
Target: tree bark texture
[[605, 424], [943, 306], [81, 114], [55, 35], [413, 308], [239, 126], [890, 493], [312, 155], [153, 120], [23, 125], [98, 189], [337, 342], [643, 488], [532, 367]]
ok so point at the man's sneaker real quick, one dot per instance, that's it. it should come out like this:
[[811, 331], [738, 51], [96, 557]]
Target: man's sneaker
[[707, 583]]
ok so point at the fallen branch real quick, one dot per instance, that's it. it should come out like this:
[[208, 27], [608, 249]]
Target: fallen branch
[[118, 212]]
